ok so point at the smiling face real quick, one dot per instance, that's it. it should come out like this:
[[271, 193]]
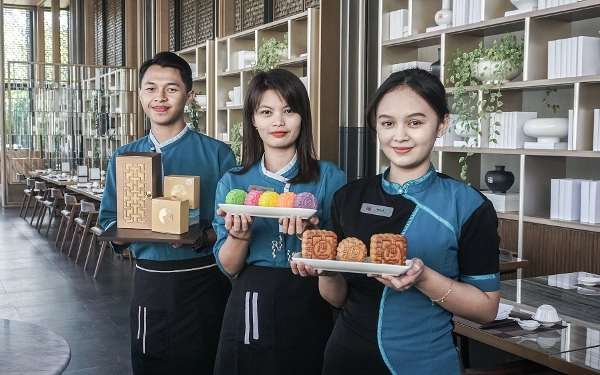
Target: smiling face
[[407, 127], [163, 96], [277, 125]]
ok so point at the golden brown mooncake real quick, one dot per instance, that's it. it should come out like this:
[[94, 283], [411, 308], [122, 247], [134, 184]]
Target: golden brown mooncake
[[351, 249], [388, 248], [319, 244]]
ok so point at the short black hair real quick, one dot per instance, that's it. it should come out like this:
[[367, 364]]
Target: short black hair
[[422, 82], [168, 59]]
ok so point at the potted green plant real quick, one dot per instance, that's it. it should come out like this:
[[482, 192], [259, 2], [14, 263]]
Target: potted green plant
[[236, 140], [478, 77], [269, 54], [195, 111]]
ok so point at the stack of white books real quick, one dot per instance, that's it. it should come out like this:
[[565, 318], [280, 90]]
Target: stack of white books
[[194, 70], [511, 129], [575, 200], [573, 57], [410, 65], [465, 12], [596, 139], [398, 23], [542, 4], [245, 59]]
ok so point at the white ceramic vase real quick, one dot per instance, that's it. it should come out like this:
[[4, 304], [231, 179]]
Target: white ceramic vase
[[485, 72], [444, 15], [201, 100], [547, 130]]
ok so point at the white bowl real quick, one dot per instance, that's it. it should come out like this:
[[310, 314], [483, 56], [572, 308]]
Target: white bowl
[[588, 280], [529, 325], [547, 130], [546, 314]]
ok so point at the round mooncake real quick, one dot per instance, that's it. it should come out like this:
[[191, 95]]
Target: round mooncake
[[286, 199], [252, 198], [305, 200], [235, 196], [268, 199]]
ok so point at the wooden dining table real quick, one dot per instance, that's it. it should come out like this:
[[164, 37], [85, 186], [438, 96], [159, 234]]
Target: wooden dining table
[[571, 346], [87, 191], [58, 181]]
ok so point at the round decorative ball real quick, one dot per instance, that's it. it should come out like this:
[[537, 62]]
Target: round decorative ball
[[499, 180]]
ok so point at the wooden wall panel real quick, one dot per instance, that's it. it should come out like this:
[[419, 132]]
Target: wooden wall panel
[[551, 250], [509, 234]]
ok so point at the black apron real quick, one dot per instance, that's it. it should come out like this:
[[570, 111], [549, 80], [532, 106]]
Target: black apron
[[275, 323], [176, 316]]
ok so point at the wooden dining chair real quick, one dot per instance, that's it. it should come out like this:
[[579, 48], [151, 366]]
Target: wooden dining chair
[[28, 193], [54, 202], [88, 215], [42, 194], [67, 216], [97, 230]]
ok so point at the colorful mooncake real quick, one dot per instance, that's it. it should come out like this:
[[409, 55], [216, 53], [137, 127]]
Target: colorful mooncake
[[305, 200], [235, 196], [286, 200], [252, 198], [268, 199]]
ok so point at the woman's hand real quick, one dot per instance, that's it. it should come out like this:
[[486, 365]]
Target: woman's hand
[[406, 280], [296, 225], [305, 270], [236, 222]]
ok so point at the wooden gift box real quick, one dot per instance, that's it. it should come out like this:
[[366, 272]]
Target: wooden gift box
[[170, 215], [183, 187], [139, 179]]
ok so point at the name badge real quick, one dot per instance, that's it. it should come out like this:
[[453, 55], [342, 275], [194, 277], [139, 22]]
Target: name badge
[[373, 209], [260, 188]]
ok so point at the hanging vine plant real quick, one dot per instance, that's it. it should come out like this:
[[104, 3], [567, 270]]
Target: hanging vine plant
[[478, 77]]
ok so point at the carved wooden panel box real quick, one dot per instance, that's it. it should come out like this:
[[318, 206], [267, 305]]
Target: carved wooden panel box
[[139, 179]]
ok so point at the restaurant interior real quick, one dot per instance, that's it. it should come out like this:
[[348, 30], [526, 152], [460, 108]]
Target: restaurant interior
[[70, 98]]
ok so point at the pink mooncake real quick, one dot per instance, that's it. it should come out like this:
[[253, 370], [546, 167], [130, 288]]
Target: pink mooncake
[[305, 200], [252, 198], [268, 199], [286, 200]]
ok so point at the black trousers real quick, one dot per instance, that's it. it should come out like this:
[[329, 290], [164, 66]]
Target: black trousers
[[176, 316]]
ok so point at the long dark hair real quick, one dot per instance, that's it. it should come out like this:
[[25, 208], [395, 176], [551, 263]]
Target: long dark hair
[[422, 82], [292, 90]]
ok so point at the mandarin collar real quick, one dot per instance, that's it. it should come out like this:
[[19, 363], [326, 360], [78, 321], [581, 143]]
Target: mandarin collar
[[409, 187], [284, 174], [156, 146]]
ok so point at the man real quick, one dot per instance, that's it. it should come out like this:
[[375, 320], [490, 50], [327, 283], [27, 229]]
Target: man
[[179, 295]]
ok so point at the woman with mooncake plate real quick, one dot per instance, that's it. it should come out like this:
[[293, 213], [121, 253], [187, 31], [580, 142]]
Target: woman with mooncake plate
[[275, 322], [403, 324]]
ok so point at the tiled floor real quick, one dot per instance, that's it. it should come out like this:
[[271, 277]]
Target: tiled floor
[[42, 286]]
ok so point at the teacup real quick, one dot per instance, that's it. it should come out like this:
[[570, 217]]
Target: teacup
[[546, 313]]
